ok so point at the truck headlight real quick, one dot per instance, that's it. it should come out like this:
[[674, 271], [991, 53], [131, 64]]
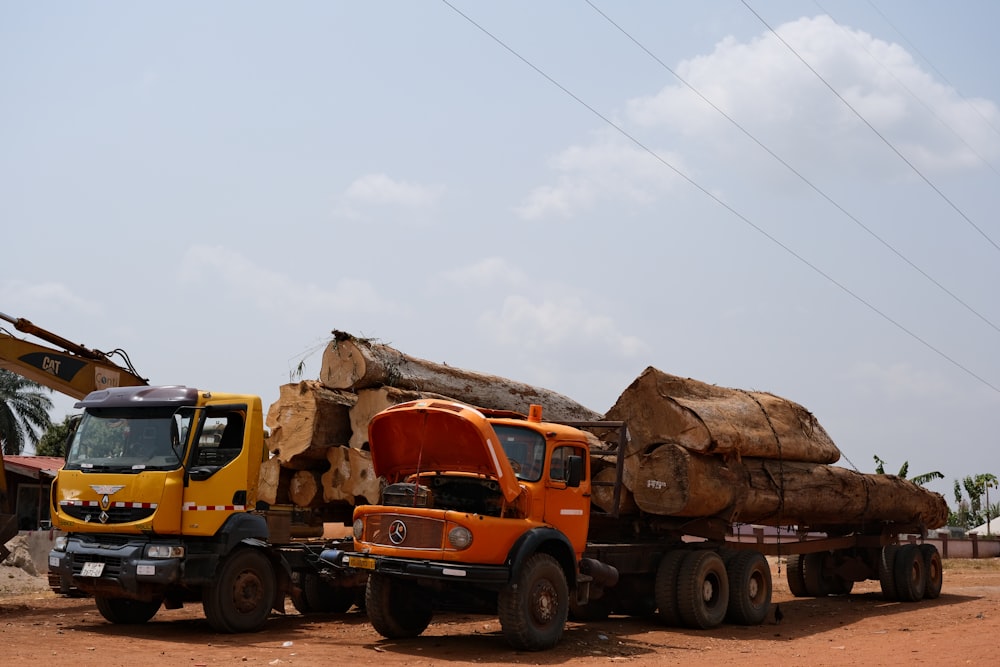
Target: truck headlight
[[60, 543], [460, 537], [164, 551], [359, 529]]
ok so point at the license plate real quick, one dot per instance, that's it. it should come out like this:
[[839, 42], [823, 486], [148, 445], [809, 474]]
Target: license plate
[[92, 570], [361, 562]]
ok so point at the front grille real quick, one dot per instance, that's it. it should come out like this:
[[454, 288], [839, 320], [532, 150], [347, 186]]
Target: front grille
[[404, 532], [110, 516]]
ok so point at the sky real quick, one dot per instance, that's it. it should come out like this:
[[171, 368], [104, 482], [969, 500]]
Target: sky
[[792, 197]]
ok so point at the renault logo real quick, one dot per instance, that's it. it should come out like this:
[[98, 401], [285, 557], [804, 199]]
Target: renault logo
[[397, 532]]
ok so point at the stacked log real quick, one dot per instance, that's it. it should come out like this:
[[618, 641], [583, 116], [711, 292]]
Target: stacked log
[[319, 428], [699, 450], [694, 449]]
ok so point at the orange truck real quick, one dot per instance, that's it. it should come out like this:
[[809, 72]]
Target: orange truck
[[491, 512]]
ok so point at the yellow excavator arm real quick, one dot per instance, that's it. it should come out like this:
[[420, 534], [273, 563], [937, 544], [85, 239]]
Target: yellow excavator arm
[[72, 369]]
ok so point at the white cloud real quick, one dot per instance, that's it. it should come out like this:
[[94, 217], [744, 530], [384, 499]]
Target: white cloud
[[275, 291], [608, 169], [768, 91], [557, 322], [489, 272], [381, 191], [24, 297]]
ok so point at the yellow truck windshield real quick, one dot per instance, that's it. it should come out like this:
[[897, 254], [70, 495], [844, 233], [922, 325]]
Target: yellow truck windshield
[[123, 440]]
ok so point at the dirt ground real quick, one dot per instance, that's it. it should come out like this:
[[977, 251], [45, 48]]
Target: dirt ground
[[961, 627]]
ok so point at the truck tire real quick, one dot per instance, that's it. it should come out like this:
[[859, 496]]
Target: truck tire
[[934, 570], [122, 611], [533, 609], [239, 599], [314, 595], [749, 588], [795, 576], [702, 590], [910, 574], [886, 571], [665, 587], [818, 584], [397, 609]]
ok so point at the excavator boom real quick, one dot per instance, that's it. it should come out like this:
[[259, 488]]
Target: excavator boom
[[74, 370]]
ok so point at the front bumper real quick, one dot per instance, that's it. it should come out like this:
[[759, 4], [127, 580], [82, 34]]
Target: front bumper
[[114, 570], [483, 576]]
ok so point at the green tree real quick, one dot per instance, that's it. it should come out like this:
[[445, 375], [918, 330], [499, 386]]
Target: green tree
[[53, 442], [974, 507], [24, 412], [904, 469]]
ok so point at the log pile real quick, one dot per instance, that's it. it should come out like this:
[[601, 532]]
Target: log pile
[[319, 428], [694, 449], [698, 450]]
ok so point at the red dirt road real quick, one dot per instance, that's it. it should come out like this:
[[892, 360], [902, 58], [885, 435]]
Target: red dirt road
[[962, 627]]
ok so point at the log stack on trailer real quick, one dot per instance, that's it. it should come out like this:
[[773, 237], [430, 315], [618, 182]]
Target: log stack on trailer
[[694, 450]]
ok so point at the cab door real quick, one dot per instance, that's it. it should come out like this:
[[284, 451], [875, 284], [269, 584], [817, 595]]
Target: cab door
[[217, 483], [567, 506]]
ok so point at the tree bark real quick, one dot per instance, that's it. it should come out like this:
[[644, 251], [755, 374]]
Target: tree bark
[[353, 364], [307, 416], [678, 482], [660, 408]]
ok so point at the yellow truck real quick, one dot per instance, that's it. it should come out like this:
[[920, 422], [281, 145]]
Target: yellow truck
[[491, 512], [158, 502]]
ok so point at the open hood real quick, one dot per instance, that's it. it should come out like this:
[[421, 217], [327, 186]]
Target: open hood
[[429, 435]]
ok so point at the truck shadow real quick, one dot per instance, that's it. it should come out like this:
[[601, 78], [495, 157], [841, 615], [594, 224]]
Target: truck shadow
[[459, 637], [625, 636]]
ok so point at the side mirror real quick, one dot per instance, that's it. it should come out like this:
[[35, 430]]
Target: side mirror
[[574, 471]]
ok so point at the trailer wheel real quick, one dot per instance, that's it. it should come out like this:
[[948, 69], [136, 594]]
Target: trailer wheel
[[749, 588], [122, 611], [397, 609], [886, 571], [910, 573], [533, 609], [818, 583], [239, 599], [702, 590], [795, 575], [665, 587], [314, 595], [934, 570]]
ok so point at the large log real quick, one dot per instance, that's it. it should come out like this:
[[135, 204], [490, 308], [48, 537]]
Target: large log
[[353, 364], [306, 419], [678, 482], [351, 477], [660, 408]]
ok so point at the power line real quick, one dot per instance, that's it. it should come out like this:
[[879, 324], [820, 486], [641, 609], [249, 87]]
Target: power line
[[936, 70], [718, 200], [872, 128], [792, 169]]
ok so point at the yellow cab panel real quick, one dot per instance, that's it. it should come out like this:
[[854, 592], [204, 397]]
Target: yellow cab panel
[[158, 460]]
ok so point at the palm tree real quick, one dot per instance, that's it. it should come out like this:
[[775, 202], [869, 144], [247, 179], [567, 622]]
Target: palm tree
[[904, 469], [24, 412]]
